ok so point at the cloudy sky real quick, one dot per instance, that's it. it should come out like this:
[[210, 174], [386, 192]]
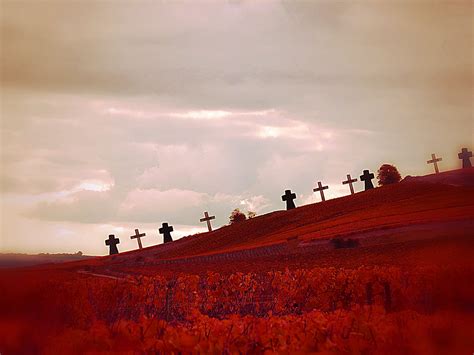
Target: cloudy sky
[[122, 115]]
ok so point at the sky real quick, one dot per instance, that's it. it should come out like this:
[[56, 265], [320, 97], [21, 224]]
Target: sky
[[126, 114]]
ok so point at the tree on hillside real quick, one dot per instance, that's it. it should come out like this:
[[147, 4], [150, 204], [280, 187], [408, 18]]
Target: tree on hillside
[[237, 216], [388, 174]]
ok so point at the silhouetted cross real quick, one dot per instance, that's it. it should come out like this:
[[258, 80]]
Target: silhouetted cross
[[138, 236], [166, 231], [434, 161], [112, 243], [367, 177], [465, 155], [289, 197], [208, 219], [321, 189], [350, 182]]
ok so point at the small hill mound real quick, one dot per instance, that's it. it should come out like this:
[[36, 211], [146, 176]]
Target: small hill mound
[[461, 177]]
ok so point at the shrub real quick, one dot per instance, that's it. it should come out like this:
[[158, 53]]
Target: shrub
[[237, 216], [388, 174]]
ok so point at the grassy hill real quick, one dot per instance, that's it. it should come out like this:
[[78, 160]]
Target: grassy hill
[[414, 211]]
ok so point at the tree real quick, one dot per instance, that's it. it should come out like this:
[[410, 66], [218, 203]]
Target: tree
[[237, 216], [251, 214], [388, 174]]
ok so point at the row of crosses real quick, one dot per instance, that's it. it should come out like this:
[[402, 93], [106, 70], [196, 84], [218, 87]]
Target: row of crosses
[[165, 229], [288, 197], [366, 177], [113, 241], [465, 155]]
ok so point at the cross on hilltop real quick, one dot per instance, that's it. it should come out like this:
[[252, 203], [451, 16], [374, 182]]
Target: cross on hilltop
[[367, 178], [166, 231], [321, 189], [112, 243], [434, 161], [465, 156], [138, 237], [208, 219], [288, 197], [350, 181]]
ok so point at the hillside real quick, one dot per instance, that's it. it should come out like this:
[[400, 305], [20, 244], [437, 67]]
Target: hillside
[[417, 209]]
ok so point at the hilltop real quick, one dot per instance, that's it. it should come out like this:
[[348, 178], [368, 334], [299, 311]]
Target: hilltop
[[412, 212]]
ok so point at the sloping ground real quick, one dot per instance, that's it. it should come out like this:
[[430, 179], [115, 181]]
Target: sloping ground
[[415, 201], [461, 177]]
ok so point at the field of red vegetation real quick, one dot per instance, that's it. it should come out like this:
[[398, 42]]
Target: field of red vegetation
[[381, 272]]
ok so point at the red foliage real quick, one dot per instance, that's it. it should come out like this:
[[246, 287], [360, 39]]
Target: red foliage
[[322, 309]]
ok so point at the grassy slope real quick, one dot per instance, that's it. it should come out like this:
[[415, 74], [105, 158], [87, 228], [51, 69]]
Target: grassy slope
[[408, 204]]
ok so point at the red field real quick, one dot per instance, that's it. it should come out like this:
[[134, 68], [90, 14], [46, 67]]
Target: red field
[[275, 283]]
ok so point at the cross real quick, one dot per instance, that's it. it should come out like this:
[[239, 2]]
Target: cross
[[321, 189], [350, 182], [138, 236], [208, 219], [367, 177], [112, 243], [289, 197], [166, 231], [434, 161], [465, 155]]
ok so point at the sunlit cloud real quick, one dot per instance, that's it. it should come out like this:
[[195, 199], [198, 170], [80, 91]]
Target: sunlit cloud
[[255, 203], [93, 186], [295, 131], [203, 114], [130, 113]]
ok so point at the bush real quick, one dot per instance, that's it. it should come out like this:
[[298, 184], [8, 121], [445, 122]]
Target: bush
[[237, 216], [388, 174]]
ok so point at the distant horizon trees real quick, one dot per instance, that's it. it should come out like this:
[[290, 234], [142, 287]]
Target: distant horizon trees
[[388, 174]]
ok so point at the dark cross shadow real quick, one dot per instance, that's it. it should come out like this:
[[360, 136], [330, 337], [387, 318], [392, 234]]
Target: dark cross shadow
[[367, 177], [112, 243], [166, 231], [289, 197]]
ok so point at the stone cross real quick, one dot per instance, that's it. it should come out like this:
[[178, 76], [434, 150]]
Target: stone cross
[[138, 237], [321, 189], [166, 231], [350, 181], [367, 177], [434, 161], [112, 243], [289, 197], [465, 155], [208, 219]]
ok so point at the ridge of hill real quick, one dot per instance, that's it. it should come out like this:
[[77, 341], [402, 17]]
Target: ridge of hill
[[416, 201]]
